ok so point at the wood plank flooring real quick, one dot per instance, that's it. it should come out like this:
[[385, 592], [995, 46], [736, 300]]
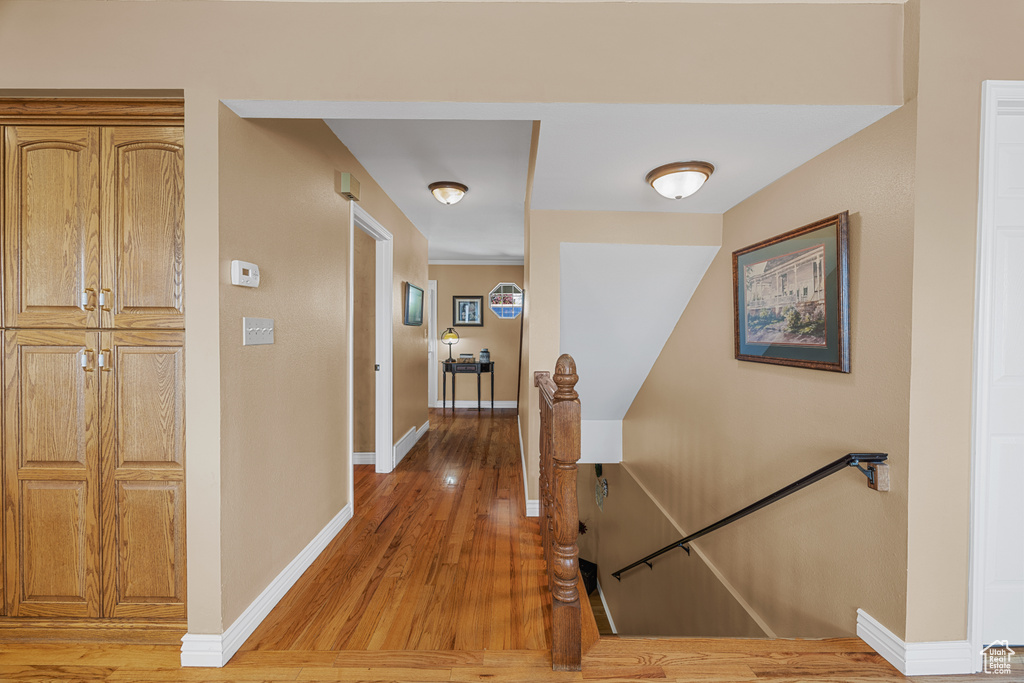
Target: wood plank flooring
[[611, 660], [439, 577], [439, 554]]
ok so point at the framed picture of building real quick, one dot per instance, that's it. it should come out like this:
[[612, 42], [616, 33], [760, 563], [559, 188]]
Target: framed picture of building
[[468, 311], [791, 297]]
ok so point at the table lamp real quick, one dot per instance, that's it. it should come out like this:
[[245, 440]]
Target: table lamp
[[450, 337]]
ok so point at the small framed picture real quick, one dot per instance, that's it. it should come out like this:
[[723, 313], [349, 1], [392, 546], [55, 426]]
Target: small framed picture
[[468, 311], [791, 296]]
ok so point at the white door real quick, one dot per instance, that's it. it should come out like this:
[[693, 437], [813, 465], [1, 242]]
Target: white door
[[431, 343], [998, 555]]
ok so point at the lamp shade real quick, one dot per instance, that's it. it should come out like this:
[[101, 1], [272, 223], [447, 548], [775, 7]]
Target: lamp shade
[[680, 179], [448, 192], [449, 336]]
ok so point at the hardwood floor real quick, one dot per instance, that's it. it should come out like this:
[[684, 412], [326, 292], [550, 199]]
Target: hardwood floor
[[611, 659], [439, 555], [439, 577]]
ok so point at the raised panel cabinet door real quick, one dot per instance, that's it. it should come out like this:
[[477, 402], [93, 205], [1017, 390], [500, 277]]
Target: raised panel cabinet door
[[51, 452], [143, 468], [143, 227], [51, 226]]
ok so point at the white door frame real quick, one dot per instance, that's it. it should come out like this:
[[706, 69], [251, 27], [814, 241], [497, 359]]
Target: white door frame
[[383, 449], [995, 94], [432, 343]]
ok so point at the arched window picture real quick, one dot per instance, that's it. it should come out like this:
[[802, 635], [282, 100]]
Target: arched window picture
[[506, 300], [468, 311]]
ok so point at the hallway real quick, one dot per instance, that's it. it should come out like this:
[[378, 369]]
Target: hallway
[[439, 554]]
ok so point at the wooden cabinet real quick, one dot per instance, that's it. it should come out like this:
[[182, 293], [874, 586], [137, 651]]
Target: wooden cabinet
[[142, 218], [93, 436], [51, 227], [143, 479], [76, 258], [51, 449]]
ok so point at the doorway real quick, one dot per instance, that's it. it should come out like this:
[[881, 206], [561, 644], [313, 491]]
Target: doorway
[[384, 452], [432, 343], [996, 583]]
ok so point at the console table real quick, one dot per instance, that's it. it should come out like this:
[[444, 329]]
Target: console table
[[461, 369]]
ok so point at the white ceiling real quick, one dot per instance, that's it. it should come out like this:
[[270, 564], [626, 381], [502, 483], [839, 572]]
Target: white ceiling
[[491, 157], [626, 299], [590, 157]]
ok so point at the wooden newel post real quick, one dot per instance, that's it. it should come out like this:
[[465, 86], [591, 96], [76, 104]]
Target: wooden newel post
[[565, 596]]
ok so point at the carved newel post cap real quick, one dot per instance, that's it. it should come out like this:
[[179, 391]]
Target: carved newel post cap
[[566, 378]]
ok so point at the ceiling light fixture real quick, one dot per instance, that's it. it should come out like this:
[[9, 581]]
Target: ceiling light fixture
[[448, 192], [680, 179]]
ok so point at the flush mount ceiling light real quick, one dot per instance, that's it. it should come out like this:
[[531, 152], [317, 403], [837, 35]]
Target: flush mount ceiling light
[[680, 179], [448, 192]]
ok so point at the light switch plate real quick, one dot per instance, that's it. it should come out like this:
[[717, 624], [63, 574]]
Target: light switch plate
[[245, 274], [257, 331]]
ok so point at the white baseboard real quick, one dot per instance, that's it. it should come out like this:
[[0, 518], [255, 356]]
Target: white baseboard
[[406, 443], [215, 650], [364, 458], [916, 659], [532, 504], [607, 612], [485, 404]]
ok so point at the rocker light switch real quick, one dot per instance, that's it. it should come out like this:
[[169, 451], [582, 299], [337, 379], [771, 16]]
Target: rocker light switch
[[257, 331]]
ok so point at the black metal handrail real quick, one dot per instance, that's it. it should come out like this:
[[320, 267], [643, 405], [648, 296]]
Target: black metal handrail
[[848, 460]]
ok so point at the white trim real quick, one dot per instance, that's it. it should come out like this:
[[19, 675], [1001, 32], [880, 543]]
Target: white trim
[[916, 659], [532, 504], [607, 612], [409, 440], [215, 650], [998, 97], [433, 344], [513, 261], [384, 297], [364, 458], [485, 404], [711, 565]]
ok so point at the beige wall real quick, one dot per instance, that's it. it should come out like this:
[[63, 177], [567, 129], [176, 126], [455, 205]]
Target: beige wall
[[237, 50], [548, 230], [284, 441], [364, 350], [680, 596], [498, 335], [708, 434], [284, 453], [986, 41]]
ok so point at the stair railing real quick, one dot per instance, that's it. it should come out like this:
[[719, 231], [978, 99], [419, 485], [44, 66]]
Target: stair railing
[[559, 512], [878, 478]]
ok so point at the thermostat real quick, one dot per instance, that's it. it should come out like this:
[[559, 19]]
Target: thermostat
[[245, 274]]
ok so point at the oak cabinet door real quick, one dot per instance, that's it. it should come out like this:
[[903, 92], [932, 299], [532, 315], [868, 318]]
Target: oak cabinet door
[[142, 227], [51, 449], [51, 232], [143, 453]]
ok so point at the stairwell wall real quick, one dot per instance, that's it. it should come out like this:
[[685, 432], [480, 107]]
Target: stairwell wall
[[708, 434]]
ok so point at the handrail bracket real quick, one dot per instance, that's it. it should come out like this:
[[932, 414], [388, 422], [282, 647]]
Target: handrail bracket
[[876, 472]]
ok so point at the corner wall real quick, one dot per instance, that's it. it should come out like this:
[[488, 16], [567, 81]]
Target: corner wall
[[708, 434], [549, 229]]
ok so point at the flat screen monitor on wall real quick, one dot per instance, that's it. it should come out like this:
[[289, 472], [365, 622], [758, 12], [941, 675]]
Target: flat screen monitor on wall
[[413, 304]]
